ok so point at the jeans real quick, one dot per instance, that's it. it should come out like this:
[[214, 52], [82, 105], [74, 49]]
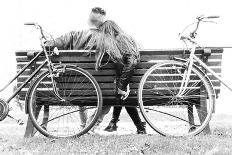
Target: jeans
[[124, 73]]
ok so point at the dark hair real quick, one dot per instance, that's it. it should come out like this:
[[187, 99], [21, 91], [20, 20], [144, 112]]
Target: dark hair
[[111, 28], [99, 10]]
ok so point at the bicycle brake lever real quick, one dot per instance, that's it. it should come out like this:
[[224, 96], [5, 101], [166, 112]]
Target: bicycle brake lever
[[193, 35], [209, 21], [200, 17]]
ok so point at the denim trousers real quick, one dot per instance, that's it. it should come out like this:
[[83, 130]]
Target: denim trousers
[[124, 73]]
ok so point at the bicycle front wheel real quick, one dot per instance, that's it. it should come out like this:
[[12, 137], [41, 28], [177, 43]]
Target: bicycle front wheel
[[168, 113], [69, 118]]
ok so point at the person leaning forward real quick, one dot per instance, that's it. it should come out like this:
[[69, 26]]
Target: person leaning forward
[[106, 38]]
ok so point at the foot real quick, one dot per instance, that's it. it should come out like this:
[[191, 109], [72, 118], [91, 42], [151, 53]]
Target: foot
[[141, 128], [44, 127], [124, 94], [111, 127], [94, 128], [82, 127], [192, 128]]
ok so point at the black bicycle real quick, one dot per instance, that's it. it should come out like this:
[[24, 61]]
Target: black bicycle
[[54, 96]]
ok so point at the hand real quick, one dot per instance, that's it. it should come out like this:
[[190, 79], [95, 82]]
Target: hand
[[124, 94], [49, 45]]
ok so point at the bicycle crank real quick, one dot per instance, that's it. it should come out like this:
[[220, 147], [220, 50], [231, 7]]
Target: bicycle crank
[[4, 109]]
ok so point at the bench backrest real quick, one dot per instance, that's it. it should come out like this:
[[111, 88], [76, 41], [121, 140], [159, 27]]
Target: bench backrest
[[106, 75]]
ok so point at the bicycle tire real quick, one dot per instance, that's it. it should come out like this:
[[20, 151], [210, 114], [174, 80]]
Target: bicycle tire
[[163, 97], [36, 91]]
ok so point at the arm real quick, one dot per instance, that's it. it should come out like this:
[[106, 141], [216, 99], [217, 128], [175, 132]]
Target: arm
[[63, 42]]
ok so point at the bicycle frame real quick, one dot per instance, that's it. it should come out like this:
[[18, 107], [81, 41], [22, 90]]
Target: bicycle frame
[[28, 79], [46, 61], [187, 72]]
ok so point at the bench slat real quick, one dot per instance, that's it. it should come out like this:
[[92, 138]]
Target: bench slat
[[143, 51], [105, 76]]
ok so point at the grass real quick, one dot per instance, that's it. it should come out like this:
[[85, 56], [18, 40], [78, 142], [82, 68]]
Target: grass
[[220, 142]]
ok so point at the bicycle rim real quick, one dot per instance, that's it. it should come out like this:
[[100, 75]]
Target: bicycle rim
[[56, 119], [168, 114]]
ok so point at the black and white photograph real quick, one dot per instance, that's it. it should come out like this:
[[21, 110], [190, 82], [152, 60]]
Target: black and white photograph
[[115, 77]]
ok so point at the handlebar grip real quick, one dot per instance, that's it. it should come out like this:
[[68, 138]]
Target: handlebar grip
[[29, 23], [209, 17]]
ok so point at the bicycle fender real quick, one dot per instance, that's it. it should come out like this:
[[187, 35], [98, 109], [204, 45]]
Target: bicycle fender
[[33, 82], [29, 90]]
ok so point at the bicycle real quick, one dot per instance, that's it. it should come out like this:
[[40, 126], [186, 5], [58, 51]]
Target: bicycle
[[186, 86], [51, 102]]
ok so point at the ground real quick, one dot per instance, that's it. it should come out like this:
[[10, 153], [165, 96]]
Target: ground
[[125, 141]]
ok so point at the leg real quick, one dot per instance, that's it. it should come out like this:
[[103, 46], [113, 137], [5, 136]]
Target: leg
[[46, 116], [115, 118], [105, 110], [123, 77], [126, 72], [134, 114], [116, 113], [83, 116], [117, 110]]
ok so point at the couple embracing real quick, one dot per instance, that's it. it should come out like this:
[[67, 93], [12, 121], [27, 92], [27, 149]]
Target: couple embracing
[[106, 37]]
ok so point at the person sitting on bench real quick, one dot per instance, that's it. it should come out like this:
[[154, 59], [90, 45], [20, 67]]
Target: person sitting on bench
[[108, 38]]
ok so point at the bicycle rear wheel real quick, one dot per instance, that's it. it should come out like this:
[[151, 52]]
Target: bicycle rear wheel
[[60, 119], [169, 114]]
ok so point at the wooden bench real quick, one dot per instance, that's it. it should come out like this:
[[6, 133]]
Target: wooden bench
[[106, 75]]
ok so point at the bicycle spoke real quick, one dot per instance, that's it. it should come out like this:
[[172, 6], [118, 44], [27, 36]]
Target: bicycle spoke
[[171, 114], [61, 118]]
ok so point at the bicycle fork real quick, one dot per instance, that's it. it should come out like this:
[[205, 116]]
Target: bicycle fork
[[187, 73], [51, 75]]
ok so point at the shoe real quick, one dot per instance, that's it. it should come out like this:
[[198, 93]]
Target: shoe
[[44, 127], [192, 128], [82, 127], [141, 128], [94, 128], [112, 126]]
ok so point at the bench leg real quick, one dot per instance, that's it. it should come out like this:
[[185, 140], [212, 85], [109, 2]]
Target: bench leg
[[190, 115], [30, 128], [202, 113], [46, 116]]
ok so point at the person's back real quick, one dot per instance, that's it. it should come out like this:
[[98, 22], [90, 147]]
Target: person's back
[[108, 38], [124, 52]]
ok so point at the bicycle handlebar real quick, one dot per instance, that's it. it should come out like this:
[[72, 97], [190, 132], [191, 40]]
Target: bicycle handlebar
[[200, 19], [210, 17], [29, 23], [38, 27], [194, 32], [43, 39]]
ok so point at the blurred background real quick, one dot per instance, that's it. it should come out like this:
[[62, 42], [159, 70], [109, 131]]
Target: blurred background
[[155, 25]]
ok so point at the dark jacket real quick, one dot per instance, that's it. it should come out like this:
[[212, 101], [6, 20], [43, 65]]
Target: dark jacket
[[74, 40], [80, 40]]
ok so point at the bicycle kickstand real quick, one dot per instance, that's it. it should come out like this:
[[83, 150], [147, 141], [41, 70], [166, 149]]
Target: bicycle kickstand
[[19, 121]]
